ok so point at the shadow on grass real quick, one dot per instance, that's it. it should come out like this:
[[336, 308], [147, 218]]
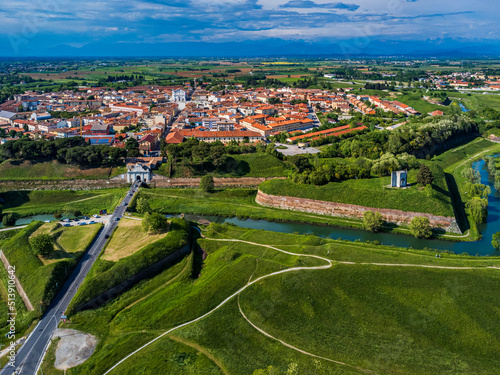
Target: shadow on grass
[[458, 204]]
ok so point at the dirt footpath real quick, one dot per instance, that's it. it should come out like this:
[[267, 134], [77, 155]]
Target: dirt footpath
[[74, 348]]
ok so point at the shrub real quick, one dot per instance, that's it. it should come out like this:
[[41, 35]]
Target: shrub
[[496, 241], [207, 183], [424, 175], [154, 223], [42, 245], [372, 221], [420, 227], [9, 219]]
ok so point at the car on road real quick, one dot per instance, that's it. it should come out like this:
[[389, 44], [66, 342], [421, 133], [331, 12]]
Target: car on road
[[125, 203], [117, 218], [106, 235]]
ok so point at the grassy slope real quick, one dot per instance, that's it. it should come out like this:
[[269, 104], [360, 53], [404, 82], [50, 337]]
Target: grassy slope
[[372, 193], [105, 275], [35, 275], [453, 162], [69, 242], [28, 203], [389, 320], [54, 170], [128, 238], [230, 203], [248, 165]]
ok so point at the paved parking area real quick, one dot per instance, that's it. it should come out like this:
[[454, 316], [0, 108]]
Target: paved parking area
[[296, 150], [91, 220]]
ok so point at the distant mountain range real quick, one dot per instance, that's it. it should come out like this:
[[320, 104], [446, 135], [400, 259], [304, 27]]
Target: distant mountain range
[[442, 48]]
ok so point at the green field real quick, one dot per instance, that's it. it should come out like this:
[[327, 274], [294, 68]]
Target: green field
[[478, 102], [42, 278], [106, 274], [28, 203], [258, 164], [231, 203], [372, 193], [382, 319], [14, 170]]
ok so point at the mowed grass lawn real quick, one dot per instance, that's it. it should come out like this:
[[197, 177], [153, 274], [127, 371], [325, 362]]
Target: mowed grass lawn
[[385, 320], [27, 203], [128, 238], [373, 193], [68, 241], [52, 170]]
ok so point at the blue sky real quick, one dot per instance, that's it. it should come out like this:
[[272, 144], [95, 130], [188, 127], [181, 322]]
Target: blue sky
[[44, 27]]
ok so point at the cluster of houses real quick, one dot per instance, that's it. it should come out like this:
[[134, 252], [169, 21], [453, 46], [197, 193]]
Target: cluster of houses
[[149, 114]]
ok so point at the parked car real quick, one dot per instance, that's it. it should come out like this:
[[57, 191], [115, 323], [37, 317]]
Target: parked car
[[46, 221], [95, 215], [82, 223], [66, 220], [85, 217], [92, 222], [66, 225]]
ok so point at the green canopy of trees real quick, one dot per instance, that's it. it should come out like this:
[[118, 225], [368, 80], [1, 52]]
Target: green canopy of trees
[[42, 245], [420, 227]]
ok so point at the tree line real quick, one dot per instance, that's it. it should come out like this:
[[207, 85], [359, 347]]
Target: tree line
[[72, 150]]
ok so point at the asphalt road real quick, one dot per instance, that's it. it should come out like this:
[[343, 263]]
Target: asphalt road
[[30, 355]]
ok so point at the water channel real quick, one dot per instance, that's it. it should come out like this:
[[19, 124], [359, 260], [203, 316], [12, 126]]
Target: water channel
[[482, 247]]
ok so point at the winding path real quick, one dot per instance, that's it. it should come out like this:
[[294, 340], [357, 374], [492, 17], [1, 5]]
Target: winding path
[[293, 269]]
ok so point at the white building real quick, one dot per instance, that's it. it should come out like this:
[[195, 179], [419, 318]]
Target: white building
[[138, 173]]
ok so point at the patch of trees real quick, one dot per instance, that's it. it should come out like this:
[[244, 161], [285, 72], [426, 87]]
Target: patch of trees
[[495, 241], [492, 169], [124, 77], [376, 86], [477, 194], [424, 175], [372, 221], [207, 183], [196, 157], [42, 245], [154, 223], [66, 150], [420, 227], [415, 138]]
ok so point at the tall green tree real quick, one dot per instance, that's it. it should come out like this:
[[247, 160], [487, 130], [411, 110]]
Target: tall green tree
[[420, 227], [154, 222], [42, 245], [478, 209], [142, 205], [496, 240], [424, 175], [372, 221], [207, 183]]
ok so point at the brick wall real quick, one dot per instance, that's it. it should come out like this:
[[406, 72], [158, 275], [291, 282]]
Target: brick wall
[[350, 210], [79, 184], [161, 181]]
